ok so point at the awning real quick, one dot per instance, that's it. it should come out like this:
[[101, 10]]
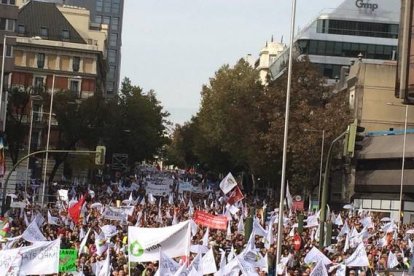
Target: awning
[[388, 146]]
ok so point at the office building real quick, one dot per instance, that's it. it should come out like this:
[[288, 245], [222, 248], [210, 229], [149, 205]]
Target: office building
[[336, 38]]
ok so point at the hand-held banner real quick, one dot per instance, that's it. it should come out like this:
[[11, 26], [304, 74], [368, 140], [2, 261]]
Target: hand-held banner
[[145, 243], [209, 220]]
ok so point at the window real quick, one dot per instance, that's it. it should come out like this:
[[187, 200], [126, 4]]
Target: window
[[9, 51], [40, 60], [107, 5], [7, 24], [65, 34], [98, 19], [111, 56], [43, 32], [115, 6], [111, 70], [113, 40], [8, 2], [74, 87], [75, 64], [115, 23], [110, 87], [99, 5], [21, 29], [106, 20], [39, 82]]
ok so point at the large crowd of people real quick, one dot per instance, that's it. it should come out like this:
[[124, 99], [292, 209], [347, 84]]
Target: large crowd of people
[[386, 244]]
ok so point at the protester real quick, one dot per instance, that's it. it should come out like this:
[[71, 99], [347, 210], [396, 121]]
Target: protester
[[95, 220]]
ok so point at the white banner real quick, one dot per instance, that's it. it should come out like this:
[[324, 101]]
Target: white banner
[[158, 190], [167, 266], [228, 183], [33, 233], [38, 259], [114, 214], [145, 243], [185, 187]]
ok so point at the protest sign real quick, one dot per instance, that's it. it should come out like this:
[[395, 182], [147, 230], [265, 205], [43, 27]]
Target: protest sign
[[158, 190], [209, 220], [185, 187], [114, 214], [38, 259], [145, 243], [67, 260]]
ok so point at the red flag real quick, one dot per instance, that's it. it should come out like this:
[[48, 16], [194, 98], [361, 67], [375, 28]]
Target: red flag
[[74, 211], [235, 196]]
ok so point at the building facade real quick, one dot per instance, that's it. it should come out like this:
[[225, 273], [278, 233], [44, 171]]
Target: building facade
[[8, 18], [336, 38]]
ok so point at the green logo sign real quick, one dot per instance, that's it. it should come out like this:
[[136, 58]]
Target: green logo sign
[[135, 249]]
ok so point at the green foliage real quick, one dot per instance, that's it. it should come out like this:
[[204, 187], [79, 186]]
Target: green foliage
[[240, 125]]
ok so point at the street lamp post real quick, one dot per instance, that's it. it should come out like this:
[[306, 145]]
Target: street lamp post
[[285, 137], [321, 162], [48, 132], [402, 161], [32, 112]]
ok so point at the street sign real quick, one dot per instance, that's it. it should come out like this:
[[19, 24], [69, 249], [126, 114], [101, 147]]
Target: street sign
[[120, 161]]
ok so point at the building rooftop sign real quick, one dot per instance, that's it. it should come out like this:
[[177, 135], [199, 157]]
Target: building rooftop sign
[[365, 5]]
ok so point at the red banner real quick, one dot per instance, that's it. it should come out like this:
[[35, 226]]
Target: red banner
[[298, 205], [209, 220], [235, 196]]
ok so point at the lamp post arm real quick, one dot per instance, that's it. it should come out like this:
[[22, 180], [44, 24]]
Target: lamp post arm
[[3, 203], [325, 189]]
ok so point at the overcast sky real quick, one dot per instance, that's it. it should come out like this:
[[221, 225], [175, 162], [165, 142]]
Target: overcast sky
[[175, 46]]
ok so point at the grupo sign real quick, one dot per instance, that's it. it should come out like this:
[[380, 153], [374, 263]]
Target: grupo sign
[[365, 5]]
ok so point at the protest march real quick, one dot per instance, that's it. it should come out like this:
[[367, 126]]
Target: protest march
[[164, 223]]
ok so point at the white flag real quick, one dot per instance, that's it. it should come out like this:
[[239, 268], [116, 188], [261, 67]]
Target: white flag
[[197, 263], [314, 256], [231, 255], [358, 258], [344, 230], [319, 270], [338, 220], [167, 266], [392, 260], [289, 198], [258, 229], [106, 268], [209, 263], [83, 242], [33, 233], [228, 183], [145, 243], [205, 237], [51, 219], [240, 225]]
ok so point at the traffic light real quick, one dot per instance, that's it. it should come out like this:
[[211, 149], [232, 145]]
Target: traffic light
[[100, 155], [355, 136]]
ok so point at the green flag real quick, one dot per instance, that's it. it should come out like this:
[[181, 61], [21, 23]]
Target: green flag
[[67, 260]]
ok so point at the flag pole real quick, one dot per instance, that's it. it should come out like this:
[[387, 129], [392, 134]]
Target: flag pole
[[285, 136]]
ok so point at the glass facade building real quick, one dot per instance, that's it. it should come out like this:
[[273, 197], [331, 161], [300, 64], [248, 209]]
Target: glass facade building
[[337, 37]]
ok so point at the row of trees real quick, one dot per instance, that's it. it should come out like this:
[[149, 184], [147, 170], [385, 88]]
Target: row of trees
[[240, 125], [133, 122]]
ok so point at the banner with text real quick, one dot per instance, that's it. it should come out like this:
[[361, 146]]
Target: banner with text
[[38, 259], [209, 220]]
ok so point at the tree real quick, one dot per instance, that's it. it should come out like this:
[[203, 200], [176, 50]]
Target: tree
[[313, 106], [227, 116], [135, 124], [17, 120]]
